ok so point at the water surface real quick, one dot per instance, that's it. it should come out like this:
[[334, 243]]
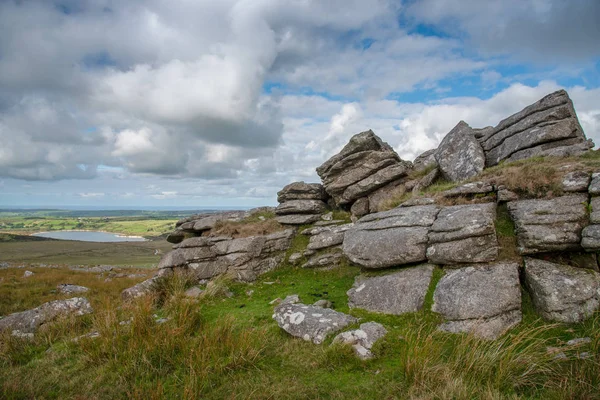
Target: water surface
[[89, 236]]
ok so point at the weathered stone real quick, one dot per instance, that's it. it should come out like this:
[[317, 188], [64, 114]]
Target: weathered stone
[[560, 292], [310, 323], [141, 289], [302, 191], [294, 258], [297, 219], [301, 207], [328, 237], [375, 181], [67, 288], [426, 181], [323, 303], [425, 160], [394, 237], [362, 339], [469, 189], [484, 299], [549, 225], [594, 187], [27, 274], [590, 237], [177, 236], [504, 195], [381, 198], [463, 233], [188, 222], [30, 321], [418, 201], [396, 293], [595, 212], [483, 132], [547, 127], [360, 208], [460, 155], [193, 292], [330, 259], [576, 181]]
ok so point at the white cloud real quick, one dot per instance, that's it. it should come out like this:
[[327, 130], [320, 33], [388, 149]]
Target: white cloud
[[91, 195]]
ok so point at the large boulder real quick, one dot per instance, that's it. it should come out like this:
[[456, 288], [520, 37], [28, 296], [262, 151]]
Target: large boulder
[[463, 234], [549, 225], [31, 320], [301, 207], [364, 165], [561, 292], [310, 322], [547, 127], [388, 238], [302, 191], [484, 299], [396, 293], [460, 155]]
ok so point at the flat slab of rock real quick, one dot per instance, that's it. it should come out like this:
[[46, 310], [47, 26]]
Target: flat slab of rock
[[394, 237], [460, 156], [29, 321], [560, 292], [396, 293], [484, 300], [302, 191], [590, 237], [70, 289], [301, 207], [549, 124], [463, 234], [328, 237], [549, 225], [297, 219], [362, 339], [309, 322], [576, 181], [469, 189], [330, 259]]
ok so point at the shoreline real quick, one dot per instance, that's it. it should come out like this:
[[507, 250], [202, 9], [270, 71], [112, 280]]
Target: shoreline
[[121, 235]]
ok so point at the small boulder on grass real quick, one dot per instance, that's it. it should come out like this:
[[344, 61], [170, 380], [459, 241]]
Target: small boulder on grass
[[193, 292], [27, 274], [362, 339], [67, 288]]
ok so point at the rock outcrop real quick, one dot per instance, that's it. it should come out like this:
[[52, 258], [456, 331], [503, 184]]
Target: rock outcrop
[[395, 293], [30, 321], [460, 155], [310, 322], [560, 292], [549, 225], [243, 258], [484, 300], [547, 127], [362, 339], [364, 165], [301, 203]]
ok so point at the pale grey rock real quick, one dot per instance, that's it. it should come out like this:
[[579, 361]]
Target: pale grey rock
[[576, 181], [549, 225], [177, 236], [590, 237], [193, 292], [323, 303], [463, 234], [484, 299], [483, 132], [31, 320], [504, 195], [330, 259], [90, 335], [360, 208], [308, 322], [547, 127], [187, 224], [362, 339], [364, 165], [326, 218], [302, 191], [594, 187], [297, 219], [301, 207], [418, 201], [469, 189], [560, 292], [295, 257], [425, 160], [426, 181], [67, 288], [394, 237], [328, 237], [595, 212], [460, 155], [579, 341], [27, 274], [139, 290], [380, 198], [396, 293]]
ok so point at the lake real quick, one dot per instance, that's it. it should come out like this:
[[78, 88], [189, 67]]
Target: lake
[[88, 236]]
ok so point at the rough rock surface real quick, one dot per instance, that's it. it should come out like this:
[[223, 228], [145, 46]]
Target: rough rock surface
[[576, 181], [362, 339], [302, 191], [69, 289], [425, 160], [590, 237], [547, 126], [396, 293], [469, 189], [426, 181], [143, 288], [560, 292], [204, 222], [308, 322], [484, 299], [594, 187], [329, 236], [549, 225], [29, 321], [330, 259], [297, 219], [394, 237], [364, 165], [460, 155], [301, 207], [463, 234], [244, 258], [380, 198]]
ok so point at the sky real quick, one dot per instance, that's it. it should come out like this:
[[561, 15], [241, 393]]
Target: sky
[[203, 103]]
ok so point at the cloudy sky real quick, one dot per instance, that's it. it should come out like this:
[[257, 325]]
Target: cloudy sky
[[194, 103]]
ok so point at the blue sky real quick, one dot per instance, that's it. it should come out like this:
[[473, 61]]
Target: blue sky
[[199, 104]]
